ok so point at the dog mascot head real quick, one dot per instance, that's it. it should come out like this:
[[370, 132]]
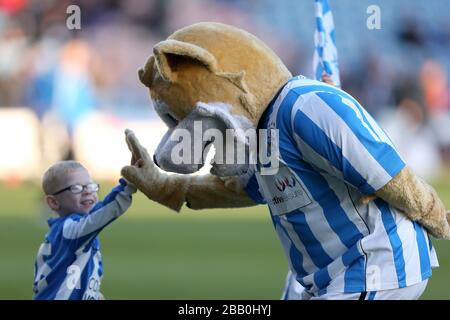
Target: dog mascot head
[[210, 76]]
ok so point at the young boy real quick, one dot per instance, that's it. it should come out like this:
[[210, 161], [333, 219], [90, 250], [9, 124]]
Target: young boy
[[69, 264]]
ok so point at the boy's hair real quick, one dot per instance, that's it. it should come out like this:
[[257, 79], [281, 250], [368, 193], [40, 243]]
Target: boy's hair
[[54, 175]]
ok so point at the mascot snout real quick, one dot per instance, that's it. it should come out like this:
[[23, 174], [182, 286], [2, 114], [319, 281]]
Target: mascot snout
[[184, 147]]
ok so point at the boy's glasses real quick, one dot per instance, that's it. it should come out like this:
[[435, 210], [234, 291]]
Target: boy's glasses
[[78, 188]]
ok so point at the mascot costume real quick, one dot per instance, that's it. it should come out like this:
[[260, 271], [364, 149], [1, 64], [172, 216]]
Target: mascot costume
[[353, 219]]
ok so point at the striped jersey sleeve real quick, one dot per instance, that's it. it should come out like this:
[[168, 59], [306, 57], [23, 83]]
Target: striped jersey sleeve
[[252, 190], [251, 186], [80, 227], [336, 135]]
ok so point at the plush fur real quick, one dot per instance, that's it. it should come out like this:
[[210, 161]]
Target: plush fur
[[419, 201], [215, 71], [213, 62]]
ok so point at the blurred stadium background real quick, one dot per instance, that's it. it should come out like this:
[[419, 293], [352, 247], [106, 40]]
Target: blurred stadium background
[[71, 93]]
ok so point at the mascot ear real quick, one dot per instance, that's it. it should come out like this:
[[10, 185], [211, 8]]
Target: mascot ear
[[169, 54], [146, 73]]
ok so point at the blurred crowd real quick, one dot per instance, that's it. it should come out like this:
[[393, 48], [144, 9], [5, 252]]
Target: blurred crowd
[[399, 73]]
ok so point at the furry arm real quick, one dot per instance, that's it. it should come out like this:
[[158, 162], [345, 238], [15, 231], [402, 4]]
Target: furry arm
[[418, 201], [172, 190]]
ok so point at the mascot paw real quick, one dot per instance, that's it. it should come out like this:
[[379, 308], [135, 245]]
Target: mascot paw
[[366, 199], [146, 176], [439, 229], [445, 229], [143, 168], [447, 236]]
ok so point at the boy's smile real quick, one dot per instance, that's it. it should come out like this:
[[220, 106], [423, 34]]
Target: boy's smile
[[70, 202]]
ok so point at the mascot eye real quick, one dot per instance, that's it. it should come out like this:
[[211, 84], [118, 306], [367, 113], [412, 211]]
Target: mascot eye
[[171, 121]]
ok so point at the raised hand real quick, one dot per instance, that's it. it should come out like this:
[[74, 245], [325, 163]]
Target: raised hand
[[169, 190], [327, 79], [142, 169], [172, 190]]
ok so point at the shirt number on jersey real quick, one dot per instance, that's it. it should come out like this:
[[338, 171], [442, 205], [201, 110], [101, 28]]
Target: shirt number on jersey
[[73, 279]]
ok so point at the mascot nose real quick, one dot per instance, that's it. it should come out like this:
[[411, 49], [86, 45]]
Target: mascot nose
[[156, 162]]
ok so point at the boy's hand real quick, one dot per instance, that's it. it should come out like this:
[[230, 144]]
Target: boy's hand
[[327, 79]]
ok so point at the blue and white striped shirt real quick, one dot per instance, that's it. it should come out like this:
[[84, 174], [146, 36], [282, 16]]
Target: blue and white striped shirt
[[331, 152], [69, 264]]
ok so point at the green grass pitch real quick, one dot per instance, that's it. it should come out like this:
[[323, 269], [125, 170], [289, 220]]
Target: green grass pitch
[[154, 253]]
